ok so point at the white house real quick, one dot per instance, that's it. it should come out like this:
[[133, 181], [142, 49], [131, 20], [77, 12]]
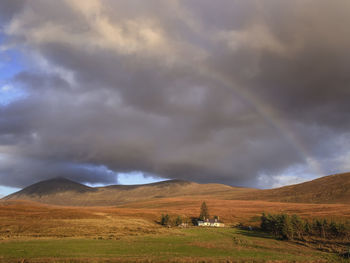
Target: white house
[[211, 222]]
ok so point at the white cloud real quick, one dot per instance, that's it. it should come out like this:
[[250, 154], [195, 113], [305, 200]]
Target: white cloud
[[293, 175], [137, 178], [10, 94]]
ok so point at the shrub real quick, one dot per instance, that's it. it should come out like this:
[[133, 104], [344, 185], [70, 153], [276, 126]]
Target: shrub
[[178, 221], [164, 220], [293, 227]]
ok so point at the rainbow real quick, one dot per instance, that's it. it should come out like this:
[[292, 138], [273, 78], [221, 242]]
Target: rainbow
[[270, 116]]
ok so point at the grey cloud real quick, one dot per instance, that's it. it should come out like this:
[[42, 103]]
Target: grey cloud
[[8, 8], [189, 89]]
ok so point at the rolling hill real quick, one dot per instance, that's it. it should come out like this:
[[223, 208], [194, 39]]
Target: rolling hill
[[327, 189], [62, 191], [53, 186]]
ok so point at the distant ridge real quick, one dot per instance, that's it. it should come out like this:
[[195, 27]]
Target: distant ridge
[[328, 189], [160, 184], [62, 191], [52, 186]]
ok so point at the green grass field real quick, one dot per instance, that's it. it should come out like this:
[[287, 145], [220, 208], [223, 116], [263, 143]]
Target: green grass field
[[190, 245]]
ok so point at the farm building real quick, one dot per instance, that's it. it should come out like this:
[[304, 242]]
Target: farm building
[[211, 222]]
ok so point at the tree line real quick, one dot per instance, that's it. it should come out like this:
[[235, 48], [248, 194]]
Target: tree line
[[166, 220], [291, 227]]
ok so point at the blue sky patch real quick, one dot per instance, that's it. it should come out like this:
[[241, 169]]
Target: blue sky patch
[[9, 94]]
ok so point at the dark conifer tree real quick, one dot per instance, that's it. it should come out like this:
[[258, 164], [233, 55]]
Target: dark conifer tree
[[204, 214]]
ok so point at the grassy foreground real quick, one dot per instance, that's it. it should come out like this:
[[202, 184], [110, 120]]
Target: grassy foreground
[[176, 245]]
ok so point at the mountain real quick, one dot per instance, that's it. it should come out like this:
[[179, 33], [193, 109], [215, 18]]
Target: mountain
[[62, 191], [327, 189], [53, 186]]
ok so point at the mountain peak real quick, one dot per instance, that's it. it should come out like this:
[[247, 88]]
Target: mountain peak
[[53, 186]]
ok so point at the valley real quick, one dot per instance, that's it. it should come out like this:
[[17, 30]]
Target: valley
[[89, 227]]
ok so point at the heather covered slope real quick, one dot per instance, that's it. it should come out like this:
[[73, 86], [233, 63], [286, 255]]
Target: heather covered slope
[[33, 232], [61, 191], [327, 189]]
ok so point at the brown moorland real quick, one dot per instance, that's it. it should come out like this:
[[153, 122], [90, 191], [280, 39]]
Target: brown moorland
[[31, 219], [60, 191], [327, 189], [143, 205], [52, 229]]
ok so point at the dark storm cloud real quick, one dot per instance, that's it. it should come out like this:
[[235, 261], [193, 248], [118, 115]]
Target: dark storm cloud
[[8, 8], [197, 90]]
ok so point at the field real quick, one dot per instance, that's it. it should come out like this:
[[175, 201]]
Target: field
[[190, 245], [47, 233]]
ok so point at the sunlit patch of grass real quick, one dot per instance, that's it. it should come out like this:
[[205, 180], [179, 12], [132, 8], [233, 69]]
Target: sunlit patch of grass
[[193, 243]]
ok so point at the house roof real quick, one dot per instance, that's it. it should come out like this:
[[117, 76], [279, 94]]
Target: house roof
[[211, 221]]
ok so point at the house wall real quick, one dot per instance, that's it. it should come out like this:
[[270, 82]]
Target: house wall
[[212, 224]]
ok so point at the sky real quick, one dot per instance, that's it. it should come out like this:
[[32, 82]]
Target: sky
[[245, 92]]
